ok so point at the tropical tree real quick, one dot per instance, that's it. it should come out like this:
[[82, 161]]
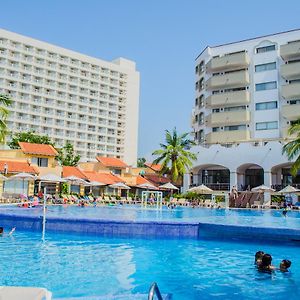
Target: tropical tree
[[292, 148], [174, 155], [5, 102], [29, 137], [141, 162], [67, 157]]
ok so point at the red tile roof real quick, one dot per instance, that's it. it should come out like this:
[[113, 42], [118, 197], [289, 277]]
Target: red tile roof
[[154, 167], [141, 180], [106, 178], [39, 149], [73, 171], [111, 162], [156, 179], [18, 167]]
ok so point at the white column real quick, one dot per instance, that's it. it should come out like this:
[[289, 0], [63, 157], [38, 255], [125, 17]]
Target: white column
[[267, 178], [186, 182], [233, 179]]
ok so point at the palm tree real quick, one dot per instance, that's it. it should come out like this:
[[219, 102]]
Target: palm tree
[[174, 155], [5, 102], [292, 148]]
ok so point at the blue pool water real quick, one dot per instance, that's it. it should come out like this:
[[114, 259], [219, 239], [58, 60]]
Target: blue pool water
[[246, 217], [74, 265]]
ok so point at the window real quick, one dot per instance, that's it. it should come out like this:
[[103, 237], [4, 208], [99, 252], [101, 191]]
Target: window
[[266, 86], [294, 102], [235, 108], [265, 67], [216, 110], [265, 49], [266, 105], [216, 129], [41, 162], [201, 118], [235, 127], [267, 125]]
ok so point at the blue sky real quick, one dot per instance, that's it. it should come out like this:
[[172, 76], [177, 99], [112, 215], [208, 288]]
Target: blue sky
[[162, 36]]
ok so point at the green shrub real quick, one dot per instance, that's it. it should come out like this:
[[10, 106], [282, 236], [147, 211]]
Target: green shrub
[[277, 198], [220, 198]]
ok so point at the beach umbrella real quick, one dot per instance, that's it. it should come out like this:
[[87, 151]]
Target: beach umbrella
[[168, 186], [22, 176], [119, 185], [289, 190], [201, 189], [51, 178], [147, 186], [76, 180], [262, 189], [3, 178]]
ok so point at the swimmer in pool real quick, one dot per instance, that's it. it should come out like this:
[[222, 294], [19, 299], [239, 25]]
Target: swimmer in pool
[[266, 263], [284, 265], [258, 257]]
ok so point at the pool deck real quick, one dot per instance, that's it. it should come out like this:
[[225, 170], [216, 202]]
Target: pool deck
[[158, 229]]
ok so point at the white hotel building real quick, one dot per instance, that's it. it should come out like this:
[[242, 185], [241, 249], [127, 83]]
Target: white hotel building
[[247, 95], [72, 97]]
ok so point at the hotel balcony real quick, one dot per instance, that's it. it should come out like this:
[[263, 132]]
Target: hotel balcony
[[290, 50], [291, 91], [233, 79], [227, 62], [290, 71], [227, 136], [228, 117], [233, 98], [291, 112]]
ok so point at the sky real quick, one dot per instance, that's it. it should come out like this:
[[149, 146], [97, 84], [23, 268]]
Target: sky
[[163, 37]]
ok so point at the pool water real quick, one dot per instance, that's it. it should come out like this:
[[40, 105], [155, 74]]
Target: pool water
[[244, 217], [76, 266]]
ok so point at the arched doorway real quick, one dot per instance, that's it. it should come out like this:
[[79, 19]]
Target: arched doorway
[[281, 176], [250, 176], [216, 177]]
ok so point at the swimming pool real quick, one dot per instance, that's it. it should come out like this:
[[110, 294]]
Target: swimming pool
[[76, 266], [242, 217]]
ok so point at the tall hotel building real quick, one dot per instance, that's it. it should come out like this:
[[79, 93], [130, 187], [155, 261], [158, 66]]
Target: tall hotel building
[[247, 95], [71, 97]]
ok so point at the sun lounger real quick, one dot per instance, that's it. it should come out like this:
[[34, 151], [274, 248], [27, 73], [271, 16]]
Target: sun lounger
[[256, 204], [207, 203], [24, 293]]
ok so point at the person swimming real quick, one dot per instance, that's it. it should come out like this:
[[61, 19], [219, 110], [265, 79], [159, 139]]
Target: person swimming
[[9, 234], [284, 265], [266, 263], [258, 257]]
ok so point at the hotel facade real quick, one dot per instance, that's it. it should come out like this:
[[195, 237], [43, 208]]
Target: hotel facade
[[69, 96], [247, 96]]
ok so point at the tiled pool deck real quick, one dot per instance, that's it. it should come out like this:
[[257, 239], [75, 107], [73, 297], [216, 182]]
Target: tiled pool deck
[[157, 229]]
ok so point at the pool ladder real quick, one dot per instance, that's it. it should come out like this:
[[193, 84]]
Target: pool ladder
[[154, 291]]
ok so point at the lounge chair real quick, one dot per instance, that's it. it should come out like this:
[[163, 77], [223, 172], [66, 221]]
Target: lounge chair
[[24, 293], [207, 203], [256, 204]]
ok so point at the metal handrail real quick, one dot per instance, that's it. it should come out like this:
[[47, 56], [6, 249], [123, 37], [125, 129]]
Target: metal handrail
[[154, 290]]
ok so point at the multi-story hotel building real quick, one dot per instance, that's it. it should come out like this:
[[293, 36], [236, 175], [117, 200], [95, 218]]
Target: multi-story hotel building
[[247, 95], [71, 97]]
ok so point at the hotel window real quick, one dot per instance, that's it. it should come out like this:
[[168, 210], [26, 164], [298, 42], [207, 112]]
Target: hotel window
[[265, 67], [201, 118], [235, 127], [267, 125], [266, 86], [266, 105], [235, 108], [216, 129], [41, 162], [265, 49], [295, 102], [201, 101]]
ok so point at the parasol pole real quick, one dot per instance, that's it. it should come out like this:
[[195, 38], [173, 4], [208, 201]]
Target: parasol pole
[[44, 214]]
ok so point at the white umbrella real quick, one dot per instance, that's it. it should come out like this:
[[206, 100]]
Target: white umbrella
[[147, 186], [3, 178], [51, 178], [201, 189], [120, 185], [23, 176], [262, 188], [289, 190], [95, 183], [168, 186], [76, 180]]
